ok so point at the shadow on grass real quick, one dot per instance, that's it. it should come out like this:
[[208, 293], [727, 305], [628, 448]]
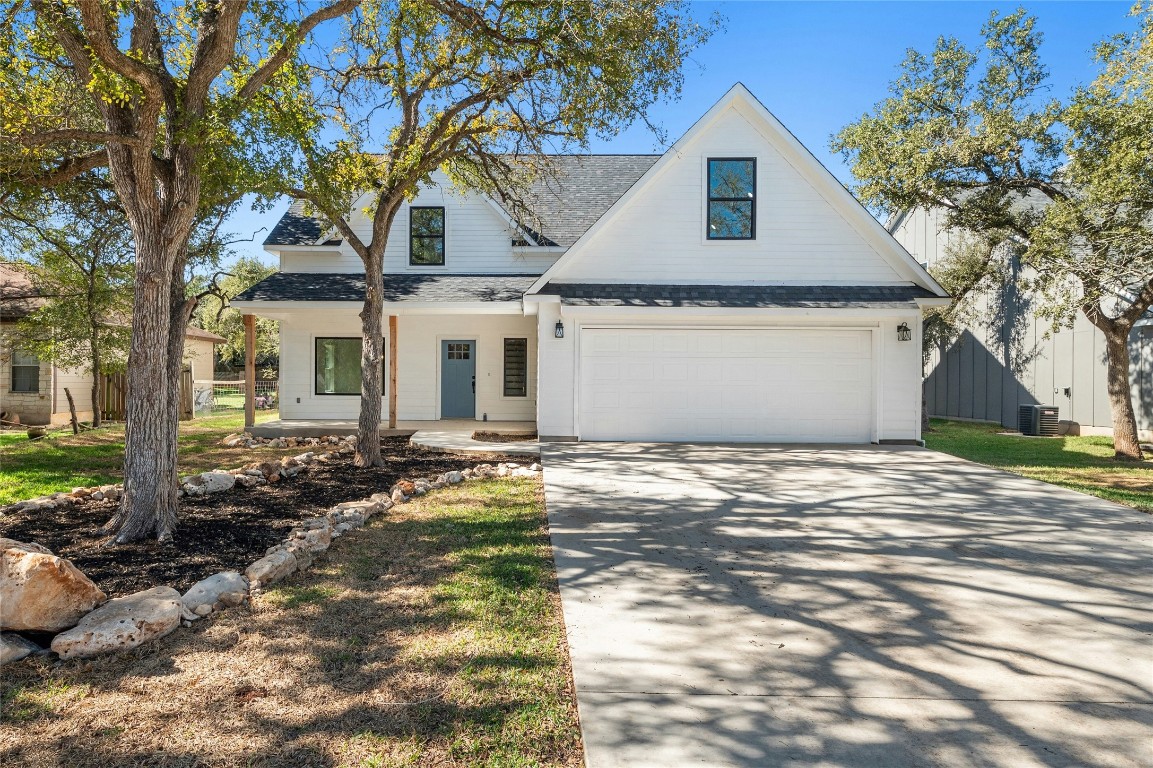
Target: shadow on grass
[[433, 633]]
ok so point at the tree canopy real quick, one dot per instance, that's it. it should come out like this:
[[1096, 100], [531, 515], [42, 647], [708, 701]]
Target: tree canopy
[[1067, 184], [174, 100], [480, 90]]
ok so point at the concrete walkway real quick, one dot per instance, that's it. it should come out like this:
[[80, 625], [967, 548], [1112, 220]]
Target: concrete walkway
[[460, 441], [849, 606]]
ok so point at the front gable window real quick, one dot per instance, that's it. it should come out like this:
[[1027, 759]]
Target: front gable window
[[732, 198], [426, 236]]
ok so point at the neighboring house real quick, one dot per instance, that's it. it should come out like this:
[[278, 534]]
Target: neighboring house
[[730, 289], [32, 390], [1006, 356]]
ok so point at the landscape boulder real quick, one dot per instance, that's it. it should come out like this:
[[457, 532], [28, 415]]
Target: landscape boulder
[[14, 647], [215, 482], [41, 592], [228, 588], [122, 624]]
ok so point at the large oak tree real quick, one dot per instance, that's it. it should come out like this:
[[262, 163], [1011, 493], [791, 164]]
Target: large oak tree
[[1067, 184], [478, 89], [171, 98]]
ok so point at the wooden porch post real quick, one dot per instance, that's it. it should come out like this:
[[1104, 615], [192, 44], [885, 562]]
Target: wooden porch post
[[392, 371], [249, 371]]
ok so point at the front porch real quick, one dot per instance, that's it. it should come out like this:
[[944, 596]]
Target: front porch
[[320, 427]]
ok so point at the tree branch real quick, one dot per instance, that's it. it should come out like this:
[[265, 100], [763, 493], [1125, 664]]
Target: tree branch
[[264, 73], [72, 134]]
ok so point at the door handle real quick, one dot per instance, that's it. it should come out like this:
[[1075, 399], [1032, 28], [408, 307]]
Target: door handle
[[474, 384]]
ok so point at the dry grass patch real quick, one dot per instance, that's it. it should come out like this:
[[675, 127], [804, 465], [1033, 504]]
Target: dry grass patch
[[432, 637]]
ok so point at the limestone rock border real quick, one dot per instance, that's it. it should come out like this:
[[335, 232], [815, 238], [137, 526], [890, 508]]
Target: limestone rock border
[[309, 539]]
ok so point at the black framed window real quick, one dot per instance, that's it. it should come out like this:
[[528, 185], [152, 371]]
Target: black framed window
[[25, 372], [426, 236], [337, 364], [515, 367], [732, 198]]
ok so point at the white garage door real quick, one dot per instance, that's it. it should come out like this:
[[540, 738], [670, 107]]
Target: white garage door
[[726, 385]]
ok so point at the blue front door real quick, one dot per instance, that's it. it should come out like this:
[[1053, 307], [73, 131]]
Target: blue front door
[[458, 380]]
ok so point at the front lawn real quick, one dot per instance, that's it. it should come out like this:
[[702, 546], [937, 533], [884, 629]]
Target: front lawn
[[431, 637], [1084, 464], [61, 461]]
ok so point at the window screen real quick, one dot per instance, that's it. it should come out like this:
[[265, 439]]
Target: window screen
[[25, 372]]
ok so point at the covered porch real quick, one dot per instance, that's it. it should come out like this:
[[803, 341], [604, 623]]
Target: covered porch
[[458, 350]]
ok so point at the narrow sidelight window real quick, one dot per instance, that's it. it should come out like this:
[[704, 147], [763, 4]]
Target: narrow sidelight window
[[732, 198], [25, 372], [515, 367], [426, 236]]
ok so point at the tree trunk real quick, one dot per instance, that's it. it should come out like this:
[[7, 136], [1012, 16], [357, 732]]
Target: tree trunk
[[1125, 442], [97, 384], [148, 506], [371, 367]]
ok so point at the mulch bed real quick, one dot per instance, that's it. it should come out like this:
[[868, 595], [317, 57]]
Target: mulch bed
[[503, 437], [224, 531]]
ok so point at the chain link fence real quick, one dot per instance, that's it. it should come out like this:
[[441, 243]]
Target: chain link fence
[[219, 397]]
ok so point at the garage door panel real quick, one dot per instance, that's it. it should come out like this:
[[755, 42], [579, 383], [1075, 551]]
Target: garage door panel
[[726, 385]]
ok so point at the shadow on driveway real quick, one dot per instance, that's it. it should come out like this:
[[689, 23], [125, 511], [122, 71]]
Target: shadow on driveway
[[860, 606]]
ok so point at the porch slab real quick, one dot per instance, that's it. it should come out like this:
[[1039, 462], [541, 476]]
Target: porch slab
[[460, 441], [319, 427]]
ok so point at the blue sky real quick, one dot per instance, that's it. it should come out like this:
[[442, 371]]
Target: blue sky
[[819, 65]]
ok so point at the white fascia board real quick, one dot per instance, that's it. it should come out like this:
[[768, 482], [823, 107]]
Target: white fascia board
[[538, 250], [507, 218], [745, 313], [285, 309], [454, 308], [937, 301], [299, 248]]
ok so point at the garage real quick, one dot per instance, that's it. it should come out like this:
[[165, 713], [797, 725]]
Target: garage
[[726, 385]]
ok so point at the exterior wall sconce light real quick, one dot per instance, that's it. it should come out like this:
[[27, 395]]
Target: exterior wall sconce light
[[904, 333], [559, 330]]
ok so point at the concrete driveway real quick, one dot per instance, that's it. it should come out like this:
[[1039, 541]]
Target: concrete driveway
[[848, 606]]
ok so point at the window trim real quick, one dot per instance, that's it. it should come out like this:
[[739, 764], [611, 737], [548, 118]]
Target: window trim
[[709, 199], [504, 367], [443, 234], [12, 374], [383, 365]]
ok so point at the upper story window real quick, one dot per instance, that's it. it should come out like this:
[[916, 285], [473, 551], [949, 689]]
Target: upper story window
[[426, 236], [25, 372], [732, 198]]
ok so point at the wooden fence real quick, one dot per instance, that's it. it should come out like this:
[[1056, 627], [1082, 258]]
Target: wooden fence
[[116, 390]]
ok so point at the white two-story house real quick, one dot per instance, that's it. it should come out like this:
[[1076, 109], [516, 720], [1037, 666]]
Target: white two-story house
[[728, 290]]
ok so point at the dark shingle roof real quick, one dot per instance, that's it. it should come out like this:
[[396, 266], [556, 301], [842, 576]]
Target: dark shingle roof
[[295, 228], [327, 286], [584, 187], [737, 296]]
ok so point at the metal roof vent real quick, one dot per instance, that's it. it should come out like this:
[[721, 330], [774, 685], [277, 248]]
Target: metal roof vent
[[1039, 420]]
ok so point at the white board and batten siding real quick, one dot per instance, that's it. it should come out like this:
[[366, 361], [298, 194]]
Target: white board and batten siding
[[478, 240], [419, 340]]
